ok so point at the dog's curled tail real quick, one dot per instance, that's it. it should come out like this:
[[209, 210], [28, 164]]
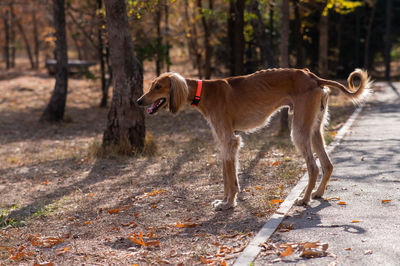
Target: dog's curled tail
[[357, 93]]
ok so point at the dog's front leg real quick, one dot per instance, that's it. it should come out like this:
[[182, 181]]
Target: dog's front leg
[[230, 151]]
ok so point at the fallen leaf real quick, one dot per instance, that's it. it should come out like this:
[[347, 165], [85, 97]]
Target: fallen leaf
[[314, 249], [275, 163], [257, 187], [288, 251], [275, 201], [203, 260], [129, 224], [86, 223], [178, 224], [46, 242], [333, 198], [113, 211], [355, 221], [386, 201], [223, 263], [62, 251], [342, 203], [91, 194], [347, 249]]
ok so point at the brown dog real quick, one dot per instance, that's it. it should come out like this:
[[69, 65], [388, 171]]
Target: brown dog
[[245, 103]]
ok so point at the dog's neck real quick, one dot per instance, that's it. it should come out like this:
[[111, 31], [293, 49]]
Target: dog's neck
[[192, 87]]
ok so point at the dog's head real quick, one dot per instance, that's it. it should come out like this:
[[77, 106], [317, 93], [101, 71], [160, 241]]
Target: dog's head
[[168, 90]]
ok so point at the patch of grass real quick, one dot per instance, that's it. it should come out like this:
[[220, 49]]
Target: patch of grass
[[51, 208], [5, 221]]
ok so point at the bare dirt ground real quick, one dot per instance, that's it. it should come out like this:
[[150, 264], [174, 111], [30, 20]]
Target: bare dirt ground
[[60, 204]]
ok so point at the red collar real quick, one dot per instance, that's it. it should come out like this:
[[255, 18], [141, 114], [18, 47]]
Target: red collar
[[196, 98]]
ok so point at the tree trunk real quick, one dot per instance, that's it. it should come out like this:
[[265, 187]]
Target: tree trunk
[[7, 39], [100, 45], [166, 11], [126, 124], [159, 55], [284, 47], [284, 62], [12, 35], [298, 35], [323, 46], [35, 38], [55, 109], [27, 45], [192, 37], [368, 37], [236, 36], [207, 35], [388, 46]]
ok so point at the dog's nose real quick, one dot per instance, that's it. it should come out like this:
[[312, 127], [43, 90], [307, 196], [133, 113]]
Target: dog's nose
[[139, 102]]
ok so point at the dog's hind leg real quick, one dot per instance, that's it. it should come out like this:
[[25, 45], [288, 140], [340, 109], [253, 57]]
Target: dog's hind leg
[[230, 149], [305, 115], [319, 149]]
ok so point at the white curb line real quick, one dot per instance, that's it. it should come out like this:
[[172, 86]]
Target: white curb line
[[250, 253]]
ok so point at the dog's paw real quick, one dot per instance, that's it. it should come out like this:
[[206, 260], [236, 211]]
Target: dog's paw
[[317, 194], [302, 202], [220, 205]]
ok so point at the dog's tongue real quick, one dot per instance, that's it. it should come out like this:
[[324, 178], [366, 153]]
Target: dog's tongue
[[153, 106]]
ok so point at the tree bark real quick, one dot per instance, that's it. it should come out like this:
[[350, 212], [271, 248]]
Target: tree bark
[[368, 37], [284, 47], [323, 46], [166, 19], [27, 45], [54, 111], [284, 62], [298, 35], [236, 36], [126, 124], [7, 39], [192, 37], [35, 39], [12, 34], [207, 23], [159, 55], [100, 45]]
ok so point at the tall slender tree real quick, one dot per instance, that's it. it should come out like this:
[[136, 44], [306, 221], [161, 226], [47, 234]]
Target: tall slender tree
[[55, 109], [125, 126], [284, 62], [236, 36]]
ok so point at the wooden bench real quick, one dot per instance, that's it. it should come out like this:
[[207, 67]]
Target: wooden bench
[[79, 67]]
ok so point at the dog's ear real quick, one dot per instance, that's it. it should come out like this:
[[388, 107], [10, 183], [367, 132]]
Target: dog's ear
[[178, 92]]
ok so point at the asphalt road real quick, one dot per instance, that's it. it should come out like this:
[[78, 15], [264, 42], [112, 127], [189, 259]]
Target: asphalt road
[[367, 178]]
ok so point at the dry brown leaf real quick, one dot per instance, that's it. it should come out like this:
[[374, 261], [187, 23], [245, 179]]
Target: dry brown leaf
[[355, 221], [386, 201], [342, 203], [113, 211], [288, 251], [88, 222], [188, 225], [275, 163], [205, 261], [314, 249], [333, 198], [275, 201]]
